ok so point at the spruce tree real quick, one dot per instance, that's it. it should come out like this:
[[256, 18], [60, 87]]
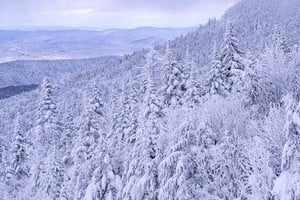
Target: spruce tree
[[177, 170], [19, 152], [219, 82], [48, 170], [228, 66], [142, 173], [175, 80], [18, 171], [193, 92]]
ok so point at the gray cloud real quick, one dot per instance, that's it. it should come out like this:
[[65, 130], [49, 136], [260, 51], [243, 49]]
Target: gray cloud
[[110, 13]]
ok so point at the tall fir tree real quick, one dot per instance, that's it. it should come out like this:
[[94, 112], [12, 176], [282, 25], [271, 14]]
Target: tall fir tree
[[48, 170], [18, 171], [228, 66], [142, 173], [219, 82], [193, 92], [174, 87], [104, 181], [178, 170]]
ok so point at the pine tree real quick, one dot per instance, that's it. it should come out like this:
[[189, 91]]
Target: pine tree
[[193, 93], [231, 55], [228, 66], [18, 170], [48, 127], [105, 184], [287, 184], [219, 82], [90, 143], [125, 127], [68, 137], [20, 152], [68, 162], [178, 169], [47, 171], [142, 173], [175, 80]]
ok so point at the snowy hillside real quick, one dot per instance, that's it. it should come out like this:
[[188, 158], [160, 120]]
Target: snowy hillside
[[70, 44], [22, 72], [213, 115]]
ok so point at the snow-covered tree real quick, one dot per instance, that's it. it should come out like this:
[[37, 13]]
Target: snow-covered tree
[[69, 130], [124, 129], [226, 158], [175, 80], [219, 82], [193, 92], [271, 132], [105, 184], [228, 66], [287, 185], [68, 143], [142, 173], [19, 152], [48, 128], [90, 143], [260, 181], [178, 170], [103, 180], [47, 170], [3, 169], [18, 171], [277, 72]]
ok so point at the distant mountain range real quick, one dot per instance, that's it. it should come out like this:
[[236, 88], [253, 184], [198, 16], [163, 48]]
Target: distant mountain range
[[67, 43]]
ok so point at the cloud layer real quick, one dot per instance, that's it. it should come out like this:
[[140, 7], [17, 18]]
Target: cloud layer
[[110, 13]]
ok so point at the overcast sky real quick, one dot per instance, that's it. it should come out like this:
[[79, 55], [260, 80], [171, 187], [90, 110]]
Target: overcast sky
[[110, 13]]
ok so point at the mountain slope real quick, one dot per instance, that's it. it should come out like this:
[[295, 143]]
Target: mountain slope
[[151, 127]]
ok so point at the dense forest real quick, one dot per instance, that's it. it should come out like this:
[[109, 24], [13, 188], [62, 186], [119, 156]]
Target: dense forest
[[213, 115]]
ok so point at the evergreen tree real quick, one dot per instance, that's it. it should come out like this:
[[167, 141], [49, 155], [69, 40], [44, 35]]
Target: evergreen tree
[[178, 169], [68, 137], [105, 184], [231, 55], [142, 173], [68, 161], [229, 66], [18, 170], [175, 80], [287, 184], [219, 82], [193, 90], [90, 143], [48, 171], [19, 152]]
